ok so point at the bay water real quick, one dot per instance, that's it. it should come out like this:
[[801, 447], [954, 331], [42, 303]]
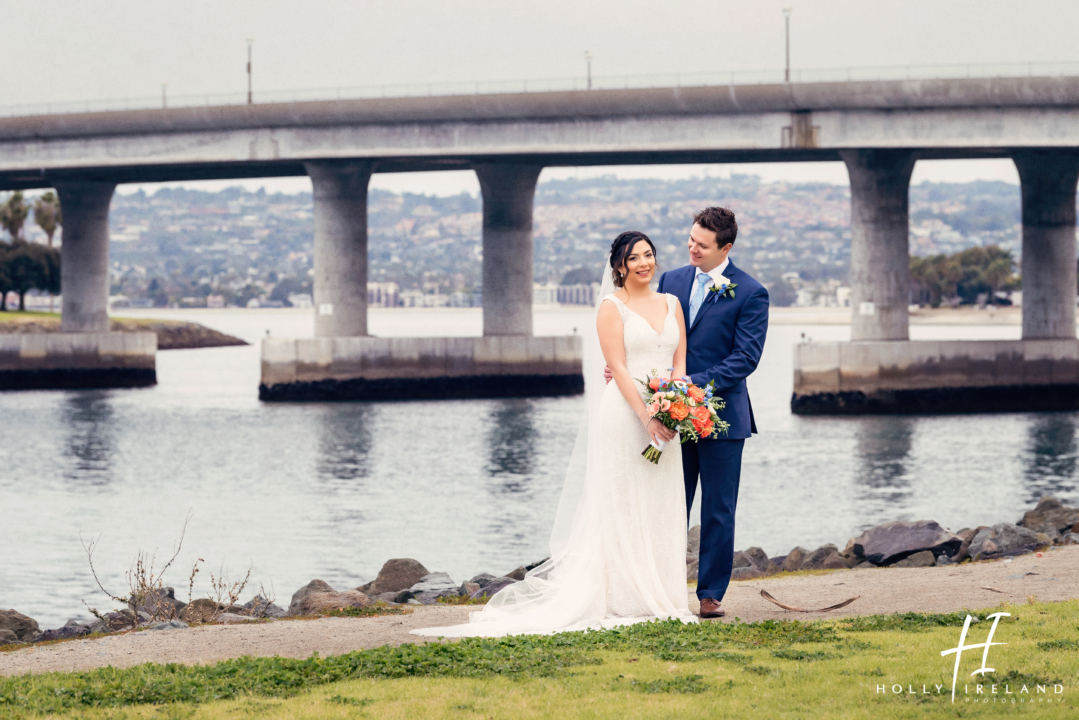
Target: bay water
[[294, 492]]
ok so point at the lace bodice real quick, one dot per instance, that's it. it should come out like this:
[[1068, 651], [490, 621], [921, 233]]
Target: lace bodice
[[647, 350]]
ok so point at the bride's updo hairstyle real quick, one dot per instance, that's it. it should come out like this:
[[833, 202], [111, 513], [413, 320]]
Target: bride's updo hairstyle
[[620, 248]]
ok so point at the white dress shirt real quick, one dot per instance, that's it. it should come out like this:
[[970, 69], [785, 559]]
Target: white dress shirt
[[715, 272]]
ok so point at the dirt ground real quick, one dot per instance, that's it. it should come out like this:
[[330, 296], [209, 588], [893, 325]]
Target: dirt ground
[[1053, 577]]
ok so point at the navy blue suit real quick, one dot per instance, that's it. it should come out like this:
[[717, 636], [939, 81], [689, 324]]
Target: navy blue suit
[[724, 344]]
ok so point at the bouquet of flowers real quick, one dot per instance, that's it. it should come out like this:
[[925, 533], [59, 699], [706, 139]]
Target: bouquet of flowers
[[689, 410]]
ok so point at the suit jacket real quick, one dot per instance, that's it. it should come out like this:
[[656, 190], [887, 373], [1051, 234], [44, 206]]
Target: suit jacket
[[725, 341]]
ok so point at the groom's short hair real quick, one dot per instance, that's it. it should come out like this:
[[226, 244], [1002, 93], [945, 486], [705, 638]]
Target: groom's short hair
[[720, 221]]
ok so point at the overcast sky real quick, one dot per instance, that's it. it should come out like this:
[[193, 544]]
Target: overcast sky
[[81, 50]]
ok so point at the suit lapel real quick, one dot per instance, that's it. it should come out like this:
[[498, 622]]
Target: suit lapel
[[707, 304], [684, 286]]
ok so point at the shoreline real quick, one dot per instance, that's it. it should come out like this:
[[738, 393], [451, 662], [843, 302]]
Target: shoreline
[[171, 334], [880, 591]]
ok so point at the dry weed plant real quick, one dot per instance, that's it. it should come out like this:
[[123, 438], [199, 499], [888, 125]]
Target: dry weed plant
[[144, 579], [224, 590]]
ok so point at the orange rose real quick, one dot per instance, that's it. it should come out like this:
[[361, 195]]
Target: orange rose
[[695, 392], [698, 425], [654, 383], [707, 430], [679, 411], [701, 413]]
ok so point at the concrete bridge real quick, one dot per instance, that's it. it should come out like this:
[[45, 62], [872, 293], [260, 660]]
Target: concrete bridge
[[879, 129]]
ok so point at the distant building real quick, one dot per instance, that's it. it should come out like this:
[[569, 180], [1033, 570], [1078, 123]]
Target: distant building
[[580, 294], [842, 296], [301, 300], [382, 294], [546, 294], [215, 301]]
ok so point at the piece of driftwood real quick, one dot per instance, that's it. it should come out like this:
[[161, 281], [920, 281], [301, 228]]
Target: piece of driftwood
[[769, 598], [986, 587]]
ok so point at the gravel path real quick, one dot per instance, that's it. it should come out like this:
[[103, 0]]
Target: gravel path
[[1053, 577]]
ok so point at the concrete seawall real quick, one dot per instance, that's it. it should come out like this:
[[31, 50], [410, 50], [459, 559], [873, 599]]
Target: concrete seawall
[[369, 368], [77, 360], [853, 378]]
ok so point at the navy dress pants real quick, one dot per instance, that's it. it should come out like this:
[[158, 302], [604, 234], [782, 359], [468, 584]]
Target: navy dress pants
[[718, 463]]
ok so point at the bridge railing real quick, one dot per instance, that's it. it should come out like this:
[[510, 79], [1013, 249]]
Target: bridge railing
[[563, 84]]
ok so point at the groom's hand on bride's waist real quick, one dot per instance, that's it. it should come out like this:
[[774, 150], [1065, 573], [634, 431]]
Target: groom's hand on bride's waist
[[607, 374]]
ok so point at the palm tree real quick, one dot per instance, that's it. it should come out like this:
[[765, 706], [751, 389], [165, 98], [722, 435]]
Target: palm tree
[[48, 218], [13, 214], [47, 214]]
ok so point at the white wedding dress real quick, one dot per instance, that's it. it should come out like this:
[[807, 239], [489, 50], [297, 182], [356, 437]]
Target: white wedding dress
[[618, 547]]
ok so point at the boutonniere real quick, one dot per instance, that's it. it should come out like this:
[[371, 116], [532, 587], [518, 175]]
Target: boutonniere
[[723, 289]]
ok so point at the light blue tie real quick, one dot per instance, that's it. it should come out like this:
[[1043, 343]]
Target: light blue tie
[[698, 296]]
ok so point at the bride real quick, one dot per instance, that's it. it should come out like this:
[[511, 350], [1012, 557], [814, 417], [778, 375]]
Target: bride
[[618, 546]]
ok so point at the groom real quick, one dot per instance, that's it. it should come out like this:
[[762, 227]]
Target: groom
[[726, 314]]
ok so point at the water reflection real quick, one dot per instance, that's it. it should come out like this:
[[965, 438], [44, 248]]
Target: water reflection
[[345, 442], [511, 441], [884, 445], [88, 416], [1050, 458]]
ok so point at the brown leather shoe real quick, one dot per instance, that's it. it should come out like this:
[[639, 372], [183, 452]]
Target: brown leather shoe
[[710, 608]]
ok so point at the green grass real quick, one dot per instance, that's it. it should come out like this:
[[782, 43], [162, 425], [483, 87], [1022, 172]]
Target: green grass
[[773, 669]]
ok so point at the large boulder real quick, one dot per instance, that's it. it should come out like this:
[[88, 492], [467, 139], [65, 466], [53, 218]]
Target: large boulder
[[161, 604], [315, 586], [850, 553], [1003, 539], [492, 588], [117, 621], [203, 610], [63, 633], [793, 560], [693, 546], [24, 627], [396, 575], [321, 603], [891, 542], [430, 588], [758, 558], [484, 579], [1051, 517], [925, 558], [519, 573], [693, 566], [826, 557], [7, 637], [260, 607]]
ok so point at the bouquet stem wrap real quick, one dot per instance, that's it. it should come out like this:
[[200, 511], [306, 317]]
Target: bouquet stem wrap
[[655, 449]]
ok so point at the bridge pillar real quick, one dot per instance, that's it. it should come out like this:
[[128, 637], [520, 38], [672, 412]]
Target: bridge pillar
[[340, 285], [84, 256], [879, 252], [508, 191], [1048, 181]]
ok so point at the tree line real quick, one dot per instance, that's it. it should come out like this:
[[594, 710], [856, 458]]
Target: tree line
[[963, 276], [26, 266]]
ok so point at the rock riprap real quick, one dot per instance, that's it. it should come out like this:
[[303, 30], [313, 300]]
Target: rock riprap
[[23, 627], [891, 542], [318, 598], [396, 575], [1051, 517], [160, 603], [1002, 540]]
